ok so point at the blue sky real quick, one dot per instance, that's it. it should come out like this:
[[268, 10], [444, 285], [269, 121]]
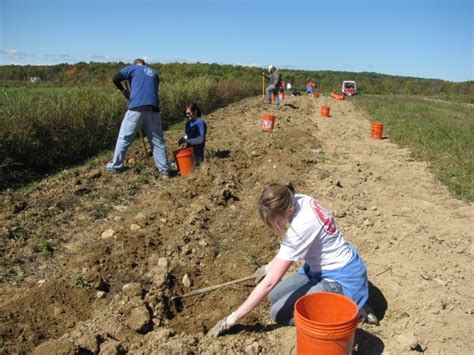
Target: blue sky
[[420, 38]]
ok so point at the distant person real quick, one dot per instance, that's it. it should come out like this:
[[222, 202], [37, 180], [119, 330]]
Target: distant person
[[143, 113], [195, 132], [274, 78], [310, 88], [288, 87], [309, 233]]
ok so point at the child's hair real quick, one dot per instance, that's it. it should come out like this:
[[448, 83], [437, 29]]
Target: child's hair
[[194, 108], [276, 199]]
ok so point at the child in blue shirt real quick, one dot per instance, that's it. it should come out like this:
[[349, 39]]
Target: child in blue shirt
[[195, 132]]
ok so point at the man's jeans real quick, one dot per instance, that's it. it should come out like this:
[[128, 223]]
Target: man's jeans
[[150, 122], [284, 296], [276, 93]]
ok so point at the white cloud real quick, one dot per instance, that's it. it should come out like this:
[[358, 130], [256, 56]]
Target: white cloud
[[252, 65], [112, 58], [188, 61], [289, 66], [107, 58], [58, 56], [13, 52]]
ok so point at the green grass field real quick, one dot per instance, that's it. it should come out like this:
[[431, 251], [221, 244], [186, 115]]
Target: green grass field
[[43, 129], [439, 132]]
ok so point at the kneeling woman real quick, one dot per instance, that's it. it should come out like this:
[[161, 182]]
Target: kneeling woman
[[195, 132], [310, 233]]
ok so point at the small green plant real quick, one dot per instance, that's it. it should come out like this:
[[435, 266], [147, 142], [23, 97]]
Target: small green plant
[[321, 155], [100, 210], [111, 195], [80, 280], [13, 272], [44, 247]]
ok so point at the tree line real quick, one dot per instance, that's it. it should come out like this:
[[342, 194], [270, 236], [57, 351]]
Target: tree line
[[99, 74]]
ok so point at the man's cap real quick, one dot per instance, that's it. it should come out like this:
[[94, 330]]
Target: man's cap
[[271, 67]]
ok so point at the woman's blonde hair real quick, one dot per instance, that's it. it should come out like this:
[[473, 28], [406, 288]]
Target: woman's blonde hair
[[275, 201]]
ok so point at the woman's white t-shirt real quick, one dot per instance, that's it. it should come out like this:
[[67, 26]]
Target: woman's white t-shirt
[[314, 237]]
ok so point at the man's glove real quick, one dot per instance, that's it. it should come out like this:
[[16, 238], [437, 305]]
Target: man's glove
[[261, 272], [126, 94], [181, 141], [223, 325]]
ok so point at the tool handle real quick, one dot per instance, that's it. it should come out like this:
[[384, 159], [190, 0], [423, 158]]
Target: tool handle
[[215, 287], [126, 84]]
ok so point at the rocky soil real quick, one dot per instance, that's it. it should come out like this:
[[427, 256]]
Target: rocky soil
[[90, 260]]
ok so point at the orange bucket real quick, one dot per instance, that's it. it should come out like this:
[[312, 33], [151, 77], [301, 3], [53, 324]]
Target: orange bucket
[[325, 323], [376, 129], [316, 95], [268, 122], [336, 96], [184, 160], [325, 111]]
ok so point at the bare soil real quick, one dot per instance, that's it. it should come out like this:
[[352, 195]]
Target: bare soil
[[91, 259]]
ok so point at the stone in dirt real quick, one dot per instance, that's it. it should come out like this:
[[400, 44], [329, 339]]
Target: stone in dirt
[[111, 347], [134, 227], [108, 233], [253, 349], [139, 320], [132, 289], [55, 346], [186, 281], [163, 262]]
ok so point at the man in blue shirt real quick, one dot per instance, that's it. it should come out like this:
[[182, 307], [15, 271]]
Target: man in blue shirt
[[143, 113]]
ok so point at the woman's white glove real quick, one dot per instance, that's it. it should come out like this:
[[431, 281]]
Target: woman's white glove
[[223, 325], [261, 272]]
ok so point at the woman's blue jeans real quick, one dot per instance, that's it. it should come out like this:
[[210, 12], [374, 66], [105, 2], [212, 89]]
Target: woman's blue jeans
[[284, 296], [150, 122]]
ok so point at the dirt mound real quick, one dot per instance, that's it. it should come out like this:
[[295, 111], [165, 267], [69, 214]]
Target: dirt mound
[[90, 260]]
